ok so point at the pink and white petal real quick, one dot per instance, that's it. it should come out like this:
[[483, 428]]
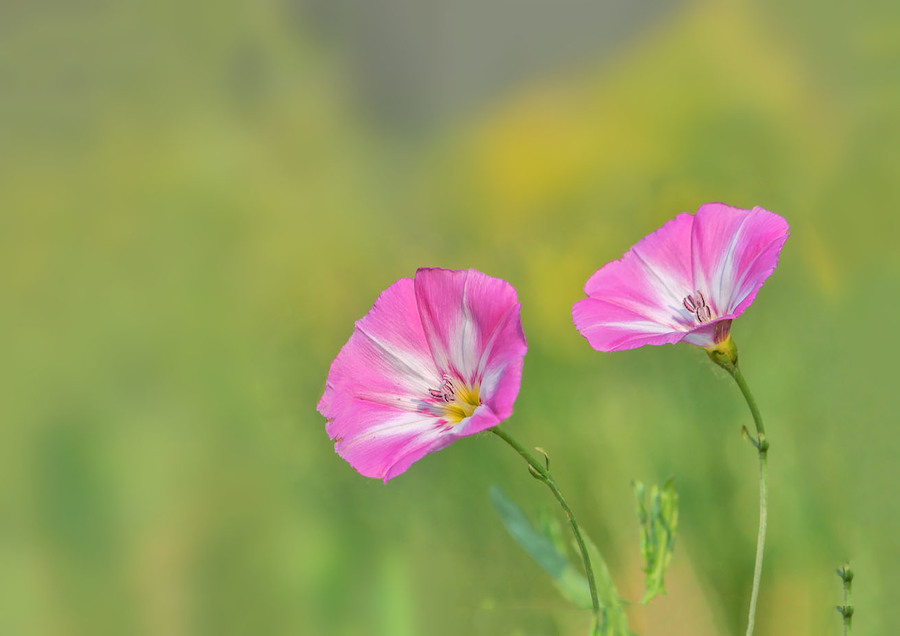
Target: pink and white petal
[[482, 419], [500, 369], [373, 437], [359, 417], [709, 333], [386, 357], [417, 449], [610, 327], [754, 270], [653, 277], [459, 310], [734, 251]]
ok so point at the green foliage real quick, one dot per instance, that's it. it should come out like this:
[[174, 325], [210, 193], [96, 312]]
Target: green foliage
[[657, 513], [545, 547]]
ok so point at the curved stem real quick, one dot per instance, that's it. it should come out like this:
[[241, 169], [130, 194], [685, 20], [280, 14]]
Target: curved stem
[[754, 410], [542, 472], [762, 445]]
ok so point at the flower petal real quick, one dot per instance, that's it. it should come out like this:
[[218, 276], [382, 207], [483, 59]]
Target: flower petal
[[482, 419], [499, 373], [374, 393], [459, 311], [386, 359], [638, 299], [611, 327], [709, 334], [380, 441], [734, 252], [651, 279]]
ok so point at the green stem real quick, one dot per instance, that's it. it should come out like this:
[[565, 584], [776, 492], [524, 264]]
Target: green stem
[[760, 540], [762, 446], [846, 609], [542, 472]]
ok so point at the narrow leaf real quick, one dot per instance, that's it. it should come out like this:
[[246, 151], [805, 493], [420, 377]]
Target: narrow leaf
[[568, 579]]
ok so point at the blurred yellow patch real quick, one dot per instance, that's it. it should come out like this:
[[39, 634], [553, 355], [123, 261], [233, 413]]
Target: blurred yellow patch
[[534, 150]]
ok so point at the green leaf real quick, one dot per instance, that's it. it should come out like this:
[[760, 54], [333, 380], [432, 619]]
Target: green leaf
[[658, 516], [546, 547], [542, 548]]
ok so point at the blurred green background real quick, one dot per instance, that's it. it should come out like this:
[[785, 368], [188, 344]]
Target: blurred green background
[[199, 199]]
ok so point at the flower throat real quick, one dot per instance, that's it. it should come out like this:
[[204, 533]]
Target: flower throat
[[458, 401]]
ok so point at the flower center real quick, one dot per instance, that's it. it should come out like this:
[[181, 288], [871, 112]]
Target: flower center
[[455, 400], [696, 304]]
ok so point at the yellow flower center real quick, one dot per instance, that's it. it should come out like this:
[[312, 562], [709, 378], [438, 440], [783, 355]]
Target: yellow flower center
[[457, 401]]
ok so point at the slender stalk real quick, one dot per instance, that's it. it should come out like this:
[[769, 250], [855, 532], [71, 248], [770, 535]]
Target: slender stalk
[[760, 541], [846, 609], [542, 472], [762, 446]]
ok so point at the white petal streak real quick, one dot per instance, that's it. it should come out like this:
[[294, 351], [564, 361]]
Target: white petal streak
[[723, 278], [491, 378], [665, 317], [400, 425], [411, 403], [464, 342], [644, 326], [667, 288], [417, 372], [464, 338]]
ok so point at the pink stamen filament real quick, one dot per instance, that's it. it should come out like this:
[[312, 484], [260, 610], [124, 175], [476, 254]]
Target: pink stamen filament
[[697, 306], [445, 392]]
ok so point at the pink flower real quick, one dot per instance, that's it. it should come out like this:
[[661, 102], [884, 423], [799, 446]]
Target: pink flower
[[684, 282], [437, 358]]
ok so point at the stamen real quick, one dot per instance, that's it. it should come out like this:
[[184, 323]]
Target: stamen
[[698, 306], [445, 392], [456, 400]]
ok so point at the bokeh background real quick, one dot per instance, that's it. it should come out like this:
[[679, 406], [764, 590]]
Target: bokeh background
[[199, 199]]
